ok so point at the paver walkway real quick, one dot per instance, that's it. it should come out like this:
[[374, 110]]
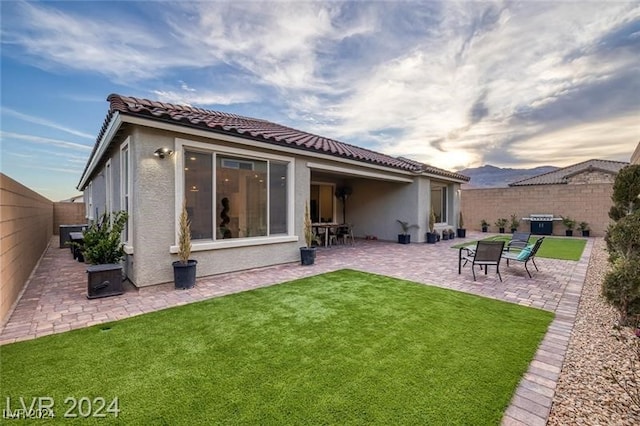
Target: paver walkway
[[55, 298]]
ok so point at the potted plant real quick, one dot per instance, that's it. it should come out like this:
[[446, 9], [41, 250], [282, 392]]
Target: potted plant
[[432, 236], [102, 247], [404, 237], [500, 224], [445, 234], [569, 224], [514, 223], [452, 234], [584, 228], [184, 269], [462, 232], [484, 225], [307, 253]]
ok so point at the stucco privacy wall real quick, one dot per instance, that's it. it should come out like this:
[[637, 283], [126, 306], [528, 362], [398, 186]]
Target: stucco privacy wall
[[26, 222], [583, 203], [68, 214]]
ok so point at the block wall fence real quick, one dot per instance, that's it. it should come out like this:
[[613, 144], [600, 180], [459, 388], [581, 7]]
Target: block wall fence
[[27, 222], [582, 202]]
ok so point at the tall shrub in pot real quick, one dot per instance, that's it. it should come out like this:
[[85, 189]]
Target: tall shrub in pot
[[307, 253], [462, 232], [184, 269]]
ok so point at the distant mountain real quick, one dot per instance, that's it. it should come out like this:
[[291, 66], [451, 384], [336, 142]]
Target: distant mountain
[[495, 177]]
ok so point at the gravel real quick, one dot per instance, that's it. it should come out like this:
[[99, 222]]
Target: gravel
[[586, 393]]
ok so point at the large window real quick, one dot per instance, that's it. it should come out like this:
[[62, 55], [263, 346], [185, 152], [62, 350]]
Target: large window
[[439, 201], [233, 196]]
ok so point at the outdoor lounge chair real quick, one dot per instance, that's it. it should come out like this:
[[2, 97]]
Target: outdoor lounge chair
[[486, 253], [519, 240], [526, 255]]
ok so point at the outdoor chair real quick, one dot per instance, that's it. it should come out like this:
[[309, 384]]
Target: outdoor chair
[[526, 255], [345, 231], [486, 253], [519, 240]]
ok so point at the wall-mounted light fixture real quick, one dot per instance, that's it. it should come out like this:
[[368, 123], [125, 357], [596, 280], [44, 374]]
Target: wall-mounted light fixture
[[163, 152]]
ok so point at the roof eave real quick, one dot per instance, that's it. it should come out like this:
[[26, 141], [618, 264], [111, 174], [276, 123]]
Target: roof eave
[[112, 128]]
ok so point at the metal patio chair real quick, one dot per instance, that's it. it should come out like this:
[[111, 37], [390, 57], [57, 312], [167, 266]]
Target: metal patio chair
[[486, 253]]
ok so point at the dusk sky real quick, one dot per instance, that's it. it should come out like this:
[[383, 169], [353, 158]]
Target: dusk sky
[[452, 84]]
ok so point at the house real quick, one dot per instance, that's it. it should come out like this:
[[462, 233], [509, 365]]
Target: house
[[580, 191], [245, 182], [591, 171]]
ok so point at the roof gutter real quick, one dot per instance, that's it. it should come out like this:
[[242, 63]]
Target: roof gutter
[[114, 125]]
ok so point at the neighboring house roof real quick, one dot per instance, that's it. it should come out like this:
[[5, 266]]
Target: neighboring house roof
[[260, 130], [561, 176]]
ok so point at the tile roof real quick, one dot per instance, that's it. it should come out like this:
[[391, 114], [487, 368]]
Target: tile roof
[[561, 176], [260, 130]]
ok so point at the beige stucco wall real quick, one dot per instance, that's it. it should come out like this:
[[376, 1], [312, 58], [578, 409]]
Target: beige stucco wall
[[26, 220], [584, 203], [154, 218]]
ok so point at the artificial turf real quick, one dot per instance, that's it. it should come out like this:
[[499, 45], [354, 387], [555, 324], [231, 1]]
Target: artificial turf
[[340, 348], [552, 247]]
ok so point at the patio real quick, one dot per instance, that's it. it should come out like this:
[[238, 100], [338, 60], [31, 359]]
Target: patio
[[54, 300]]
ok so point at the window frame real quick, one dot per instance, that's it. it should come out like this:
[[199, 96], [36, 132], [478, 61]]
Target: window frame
[[126, 188], [444, 201], [181, 145]]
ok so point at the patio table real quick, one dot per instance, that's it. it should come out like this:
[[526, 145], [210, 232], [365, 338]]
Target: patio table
[[326, 226]]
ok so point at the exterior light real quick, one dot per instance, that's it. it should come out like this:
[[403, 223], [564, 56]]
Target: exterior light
[[163, 152]]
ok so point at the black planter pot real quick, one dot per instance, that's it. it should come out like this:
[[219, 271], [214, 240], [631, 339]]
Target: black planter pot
[[501, 230], [432, 238], [104, 280], [307, 255], [404, 238], [568, 233], [485, 229], [585, 233], [184, 274], [462, 233], [445, 236], [513, 230]]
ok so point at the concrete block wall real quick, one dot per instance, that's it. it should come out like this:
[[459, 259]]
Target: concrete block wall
[[68, 214], [584, 203], [26, 221]]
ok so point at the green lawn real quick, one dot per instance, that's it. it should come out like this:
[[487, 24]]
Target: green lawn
[[552, 247], [339, 348]]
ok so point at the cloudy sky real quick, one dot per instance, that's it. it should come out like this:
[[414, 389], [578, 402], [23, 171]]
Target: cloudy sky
[[452, 84]]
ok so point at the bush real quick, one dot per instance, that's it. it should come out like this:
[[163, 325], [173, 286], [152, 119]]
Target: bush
[[626, 189], [621, 288], [102, 240]]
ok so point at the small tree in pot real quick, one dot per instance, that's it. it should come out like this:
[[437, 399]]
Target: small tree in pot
[[184, 270], [103, 249], [584, 228], [432, 235], [514, 223], [500, 224], [484, 225], [569, 224], [307, 253], [462, 232], [405, 237]]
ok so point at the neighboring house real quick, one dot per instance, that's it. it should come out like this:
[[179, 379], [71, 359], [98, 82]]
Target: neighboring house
[[591, 171], [246, 182], [581, 191]]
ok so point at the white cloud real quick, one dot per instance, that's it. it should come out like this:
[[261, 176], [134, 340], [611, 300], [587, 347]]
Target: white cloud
[[44, 122], [46, 141], [192, 96]]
